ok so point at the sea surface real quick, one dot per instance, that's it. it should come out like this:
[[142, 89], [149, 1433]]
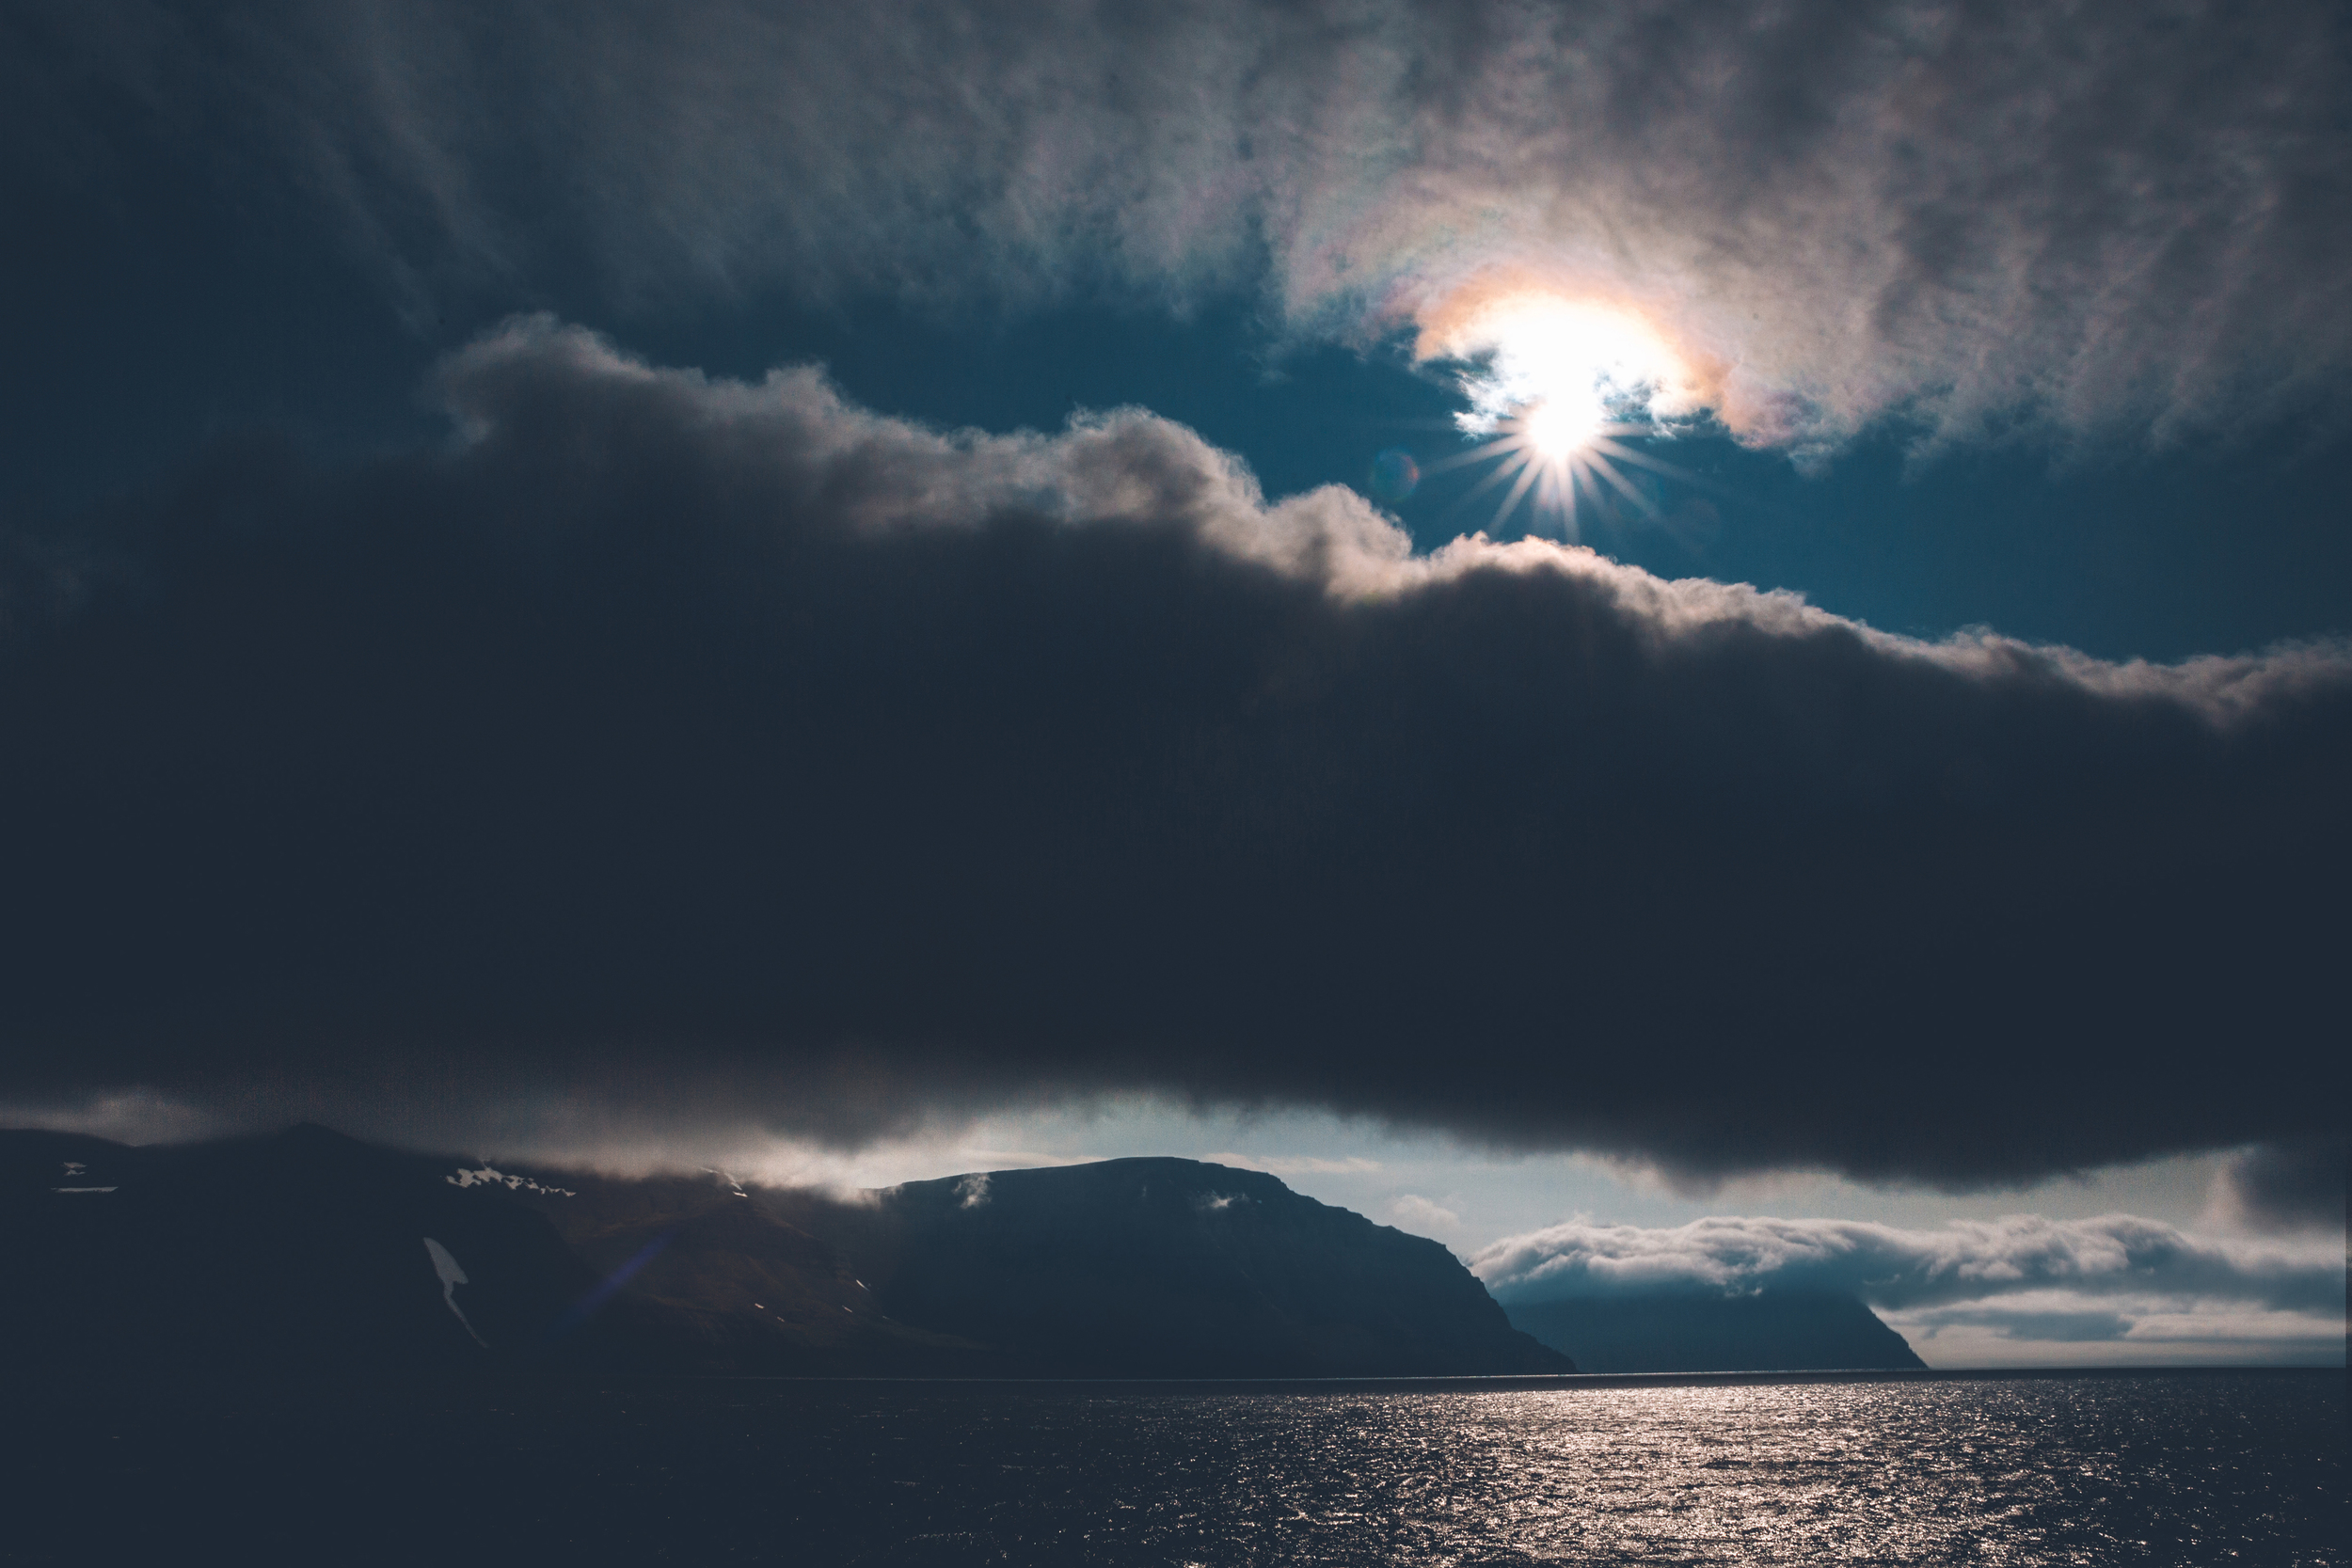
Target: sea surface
[[2200, 1468]]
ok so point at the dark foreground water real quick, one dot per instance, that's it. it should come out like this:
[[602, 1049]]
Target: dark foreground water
[[2240, 1468]]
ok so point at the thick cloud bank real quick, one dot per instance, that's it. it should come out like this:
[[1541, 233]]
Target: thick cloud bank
[[2095, 220], [2066, 1283], [685, 750], [2112, 1255]]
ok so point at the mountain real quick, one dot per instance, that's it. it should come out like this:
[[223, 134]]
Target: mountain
[[1170, 1268], [1691, 1332], [299, 1249], [306, 1250], [732, 1285]]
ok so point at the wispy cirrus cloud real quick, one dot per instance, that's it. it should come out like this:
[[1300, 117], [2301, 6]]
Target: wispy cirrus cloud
[[2086, 222]]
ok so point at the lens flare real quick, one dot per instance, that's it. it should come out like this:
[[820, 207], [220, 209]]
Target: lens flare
[[1394, 475]]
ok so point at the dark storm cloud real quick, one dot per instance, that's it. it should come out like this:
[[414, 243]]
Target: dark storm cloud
[[2290, 1186], [673, 749], [2091, 220]]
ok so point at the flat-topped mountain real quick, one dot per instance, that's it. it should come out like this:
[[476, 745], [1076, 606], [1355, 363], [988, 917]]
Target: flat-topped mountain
[[1171, 1268], [305, 1249], [1690, 1331]]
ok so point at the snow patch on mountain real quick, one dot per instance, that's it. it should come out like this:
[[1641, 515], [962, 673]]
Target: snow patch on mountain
[[451, 1276], [489, 1176]]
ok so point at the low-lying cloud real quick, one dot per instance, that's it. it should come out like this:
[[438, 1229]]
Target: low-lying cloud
[[2082, 221], [1889, 1267], [1417, 1214], [671, 752]]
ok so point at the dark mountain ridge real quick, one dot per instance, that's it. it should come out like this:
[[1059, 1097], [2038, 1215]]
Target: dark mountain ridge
[[1172, 1268], [1692, 1331], [306, 1250], [296, 1250]]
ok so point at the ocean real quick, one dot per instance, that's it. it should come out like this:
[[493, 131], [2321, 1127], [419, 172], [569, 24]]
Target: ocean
[[2242, 1467]]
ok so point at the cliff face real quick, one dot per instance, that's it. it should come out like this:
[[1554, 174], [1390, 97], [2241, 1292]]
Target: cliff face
[[1172, 1268], [1771, 1331], [306, 1250]]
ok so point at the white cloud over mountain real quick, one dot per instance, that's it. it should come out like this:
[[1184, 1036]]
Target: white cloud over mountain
[[2079, 1290]]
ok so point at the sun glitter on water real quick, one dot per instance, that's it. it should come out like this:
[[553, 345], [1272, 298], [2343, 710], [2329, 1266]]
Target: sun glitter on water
[[1553, 382]]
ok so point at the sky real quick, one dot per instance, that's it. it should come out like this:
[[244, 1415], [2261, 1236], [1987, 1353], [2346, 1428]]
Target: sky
[[1599, 632]]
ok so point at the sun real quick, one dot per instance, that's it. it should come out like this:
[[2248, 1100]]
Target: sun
[[1551, 382], [1558, 428]]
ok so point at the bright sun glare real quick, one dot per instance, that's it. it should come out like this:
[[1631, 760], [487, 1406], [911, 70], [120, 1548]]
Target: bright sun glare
[[1557, 427], [1551, 381]]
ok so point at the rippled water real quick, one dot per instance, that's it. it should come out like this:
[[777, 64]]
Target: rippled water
[[1999, 1472], [2169, 1468]]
